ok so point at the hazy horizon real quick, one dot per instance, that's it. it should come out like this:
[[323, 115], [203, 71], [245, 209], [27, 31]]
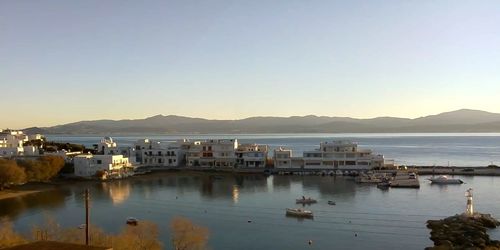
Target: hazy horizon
[[67, 61]]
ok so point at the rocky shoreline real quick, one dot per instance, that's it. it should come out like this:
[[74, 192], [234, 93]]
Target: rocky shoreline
[[463, 232]]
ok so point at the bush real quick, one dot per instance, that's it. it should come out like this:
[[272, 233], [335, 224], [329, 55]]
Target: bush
[[10, 173], [42, 169]]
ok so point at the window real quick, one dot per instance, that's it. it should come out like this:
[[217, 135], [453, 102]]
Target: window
[[99, 161]]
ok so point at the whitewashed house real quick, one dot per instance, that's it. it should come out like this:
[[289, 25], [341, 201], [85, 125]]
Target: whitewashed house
[[216, 153], [156, 154], [251, 156], [282, 158], [12, 144], [342, 155], [111, 165]]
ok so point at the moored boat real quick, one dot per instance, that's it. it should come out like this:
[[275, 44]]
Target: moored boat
[[305, 200], [331, 203], [384, 185], [443, 179], [299, 212], [132, 221]]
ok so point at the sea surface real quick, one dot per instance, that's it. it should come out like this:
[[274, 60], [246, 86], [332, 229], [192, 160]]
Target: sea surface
[[248, 211], [471, 150], [364, 217]]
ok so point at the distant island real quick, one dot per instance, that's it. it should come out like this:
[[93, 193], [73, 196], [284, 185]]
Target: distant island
[[459, 121]]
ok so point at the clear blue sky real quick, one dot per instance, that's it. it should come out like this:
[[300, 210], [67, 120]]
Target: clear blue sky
[[64, 61]]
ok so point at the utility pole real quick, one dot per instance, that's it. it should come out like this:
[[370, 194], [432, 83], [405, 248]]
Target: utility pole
[[87, 216]]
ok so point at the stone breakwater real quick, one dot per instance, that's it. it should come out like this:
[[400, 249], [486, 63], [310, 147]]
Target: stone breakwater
[[463, 232]]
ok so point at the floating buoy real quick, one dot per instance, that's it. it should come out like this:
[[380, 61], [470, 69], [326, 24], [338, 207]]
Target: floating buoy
[[310, 242], [355, 235]]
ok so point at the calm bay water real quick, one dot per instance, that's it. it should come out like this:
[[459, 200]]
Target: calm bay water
[[390, 219], [364, 217], [475, 149]]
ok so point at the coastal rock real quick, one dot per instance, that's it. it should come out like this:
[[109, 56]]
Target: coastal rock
[[463, 232]]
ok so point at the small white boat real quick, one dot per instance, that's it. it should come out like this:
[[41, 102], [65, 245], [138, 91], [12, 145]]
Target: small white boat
[[299, 212], [443, 179], [305, 200], [132, 221]]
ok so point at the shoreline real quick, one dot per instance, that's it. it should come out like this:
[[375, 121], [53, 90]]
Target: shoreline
[[421, 170], [26, 189], [33, 188]]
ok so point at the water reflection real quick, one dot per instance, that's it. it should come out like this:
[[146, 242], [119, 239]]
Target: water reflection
[[236, 194], [16, 206], [118, 191]]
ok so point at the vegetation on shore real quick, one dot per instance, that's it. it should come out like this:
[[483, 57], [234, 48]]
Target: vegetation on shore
[[16, 172], [52, 146], [145, 235]]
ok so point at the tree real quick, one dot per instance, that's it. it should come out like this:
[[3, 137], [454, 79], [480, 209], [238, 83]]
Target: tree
[[54, 164], [52, 231], [8, 237], [10, 173], [143, 236], [188, 236], [42, 169]]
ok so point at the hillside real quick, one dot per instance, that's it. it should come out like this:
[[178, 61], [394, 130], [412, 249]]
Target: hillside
[[463, 120]]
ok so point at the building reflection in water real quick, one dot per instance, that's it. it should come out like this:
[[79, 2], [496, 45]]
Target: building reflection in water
[[236, 194], [118, 191]]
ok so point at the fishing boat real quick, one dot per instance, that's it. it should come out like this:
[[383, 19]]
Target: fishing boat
[[443, 179], [299, 212], [305, 200], [383, 185]]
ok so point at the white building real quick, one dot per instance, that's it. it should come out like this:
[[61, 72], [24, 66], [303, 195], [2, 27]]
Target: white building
[[156, 154], [107, 146], [110, 165], [251, 155], [12, 144], [343, 155], [282, 158], [35, 137], [218, 153], [67, 156], [30, 151]]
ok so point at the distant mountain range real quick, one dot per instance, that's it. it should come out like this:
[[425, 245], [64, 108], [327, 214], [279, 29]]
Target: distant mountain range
[[464, 120]]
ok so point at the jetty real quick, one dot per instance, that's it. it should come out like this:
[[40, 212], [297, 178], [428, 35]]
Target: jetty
[[463, 231]]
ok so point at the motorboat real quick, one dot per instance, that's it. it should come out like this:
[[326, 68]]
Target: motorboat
[[368, 179], [305, 200], [384, 185], [299, 212], [132, 221], [412, 176], [443, 179], [331, 203]]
